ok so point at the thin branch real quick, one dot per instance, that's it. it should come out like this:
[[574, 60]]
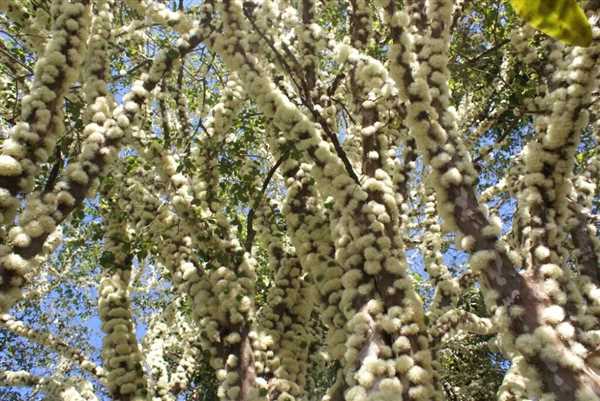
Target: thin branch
[[303, 88], [250, 232], [336, 82]]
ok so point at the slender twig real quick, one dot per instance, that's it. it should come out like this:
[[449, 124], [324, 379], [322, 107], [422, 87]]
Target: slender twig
[[54, 171], [132, 70], [343, 106], [250, 232], [4, 50], [336, 82], [486, 52], [199, 125], [165, 123], [303, 88], [290, 71]]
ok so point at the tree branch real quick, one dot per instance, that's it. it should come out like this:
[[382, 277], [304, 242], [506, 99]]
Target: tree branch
[[250, 232]]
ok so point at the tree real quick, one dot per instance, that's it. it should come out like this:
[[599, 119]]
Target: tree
[[285, 200]]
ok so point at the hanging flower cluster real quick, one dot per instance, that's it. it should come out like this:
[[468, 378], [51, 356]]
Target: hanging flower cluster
[[32, 141], [55, 388], [285, 317], [452, 172], [225, 325], [159, 338], [310, 233], [15, 326], [205, 154], [120, 351], [447, 289]]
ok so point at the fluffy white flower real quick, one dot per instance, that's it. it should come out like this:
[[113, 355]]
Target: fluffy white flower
[[9, 166]]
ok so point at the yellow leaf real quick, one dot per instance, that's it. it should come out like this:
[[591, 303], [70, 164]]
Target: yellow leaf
[[561, 19]]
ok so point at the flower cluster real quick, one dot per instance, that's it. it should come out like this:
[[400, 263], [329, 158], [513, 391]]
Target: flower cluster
[[170, 333], [335, 116], [447, 289], [360, 24], [584, 235], [205, 154], [434, 130], [285, 318], [55, 388], [103, 137], [543, 206], [72, 354], [32, 141], [457, 321], [161, 14], [517, 382], [120, 351], [187, 363], [156, 342], [32, 25], [224, 324], [310, 233], [367, 243], [520, 39]]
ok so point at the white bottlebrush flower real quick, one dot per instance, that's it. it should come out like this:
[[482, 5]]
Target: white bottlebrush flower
[[9, 166], [553, 314], [542, 253]]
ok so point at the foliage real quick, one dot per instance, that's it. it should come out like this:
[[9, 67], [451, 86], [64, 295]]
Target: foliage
[[561, 19]]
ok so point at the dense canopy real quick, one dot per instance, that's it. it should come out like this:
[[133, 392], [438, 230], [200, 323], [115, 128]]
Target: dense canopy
[[286, 200]]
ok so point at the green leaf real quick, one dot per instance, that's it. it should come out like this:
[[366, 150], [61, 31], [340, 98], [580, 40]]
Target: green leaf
[[107, 258], [561, 19]]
